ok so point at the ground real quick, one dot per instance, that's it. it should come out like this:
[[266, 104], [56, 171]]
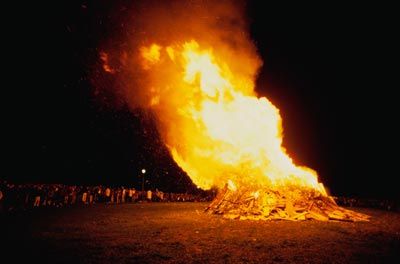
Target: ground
[[183, 233]]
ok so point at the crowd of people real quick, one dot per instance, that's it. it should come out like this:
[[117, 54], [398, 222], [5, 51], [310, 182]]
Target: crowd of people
[[29, 196], [385, 204]]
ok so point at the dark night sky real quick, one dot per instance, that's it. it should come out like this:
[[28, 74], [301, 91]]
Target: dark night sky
[[327, 68]]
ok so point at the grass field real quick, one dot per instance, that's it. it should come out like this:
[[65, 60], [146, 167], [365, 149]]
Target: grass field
[[182, 233]]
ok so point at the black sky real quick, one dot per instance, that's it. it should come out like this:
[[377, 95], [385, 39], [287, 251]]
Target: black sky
[[329, 69]]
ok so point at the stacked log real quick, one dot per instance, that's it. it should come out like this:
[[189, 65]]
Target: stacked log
[[266, 204]]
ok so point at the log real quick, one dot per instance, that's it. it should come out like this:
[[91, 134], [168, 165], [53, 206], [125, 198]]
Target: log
[[279, 205]]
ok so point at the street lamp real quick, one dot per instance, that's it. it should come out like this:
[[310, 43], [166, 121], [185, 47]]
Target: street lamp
[[143, 172]]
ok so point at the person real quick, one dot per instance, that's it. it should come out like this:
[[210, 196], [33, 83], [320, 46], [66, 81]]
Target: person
[[118, 195], [36, 202], [64, 196], [108, 195], [73, 195], [66, 199], [27, 192], [159, 195], [112, 196], [90, 197], [149, 195], [135, 195], [84, 197], [130, 195], [1, 201], [123, 195], [97, 195]]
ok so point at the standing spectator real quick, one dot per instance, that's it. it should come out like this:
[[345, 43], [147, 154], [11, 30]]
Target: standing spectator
[[84, 197], [90, 196], [73, 195], [135, 195], [123, 195], [97, 194], [108, 195], [130, 195], [149, 195], [65, 198], [50, 196], [37, 197], [1, 201], [112, 196], [28, 192], [118, 194]]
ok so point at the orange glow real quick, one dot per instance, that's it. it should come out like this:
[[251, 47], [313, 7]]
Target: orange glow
[[215, 126], [151, 55], [106, 66]]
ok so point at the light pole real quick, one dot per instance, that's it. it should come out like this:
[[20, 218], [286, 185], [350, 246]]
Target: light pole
[[143, 172]]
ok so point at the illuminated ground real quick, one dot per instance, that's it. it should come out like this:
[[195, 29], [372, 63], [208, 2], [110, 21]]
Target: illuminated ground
[[181, 233]]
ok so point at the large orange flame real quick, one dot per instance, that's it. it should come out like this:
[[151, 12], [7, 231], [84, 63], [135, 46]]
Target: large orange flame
[[213, 123]]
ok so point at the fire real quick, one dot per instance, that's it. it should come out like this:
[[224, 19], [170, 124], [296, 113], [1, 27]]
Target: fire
[[220, 130], [151, 55], [231, 186], [195, 71]]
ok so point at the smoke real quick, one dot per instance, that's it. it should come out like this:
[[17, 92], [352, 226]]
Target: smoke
[[216, 25]]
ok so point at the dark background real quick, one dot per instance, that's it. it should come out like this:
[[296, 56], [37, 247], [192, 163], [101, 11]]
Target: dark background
[[329, 69]]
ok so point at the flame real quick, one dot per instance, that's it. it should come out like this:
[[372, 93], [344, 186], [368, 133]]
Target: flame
[[256, 194], [215, 126], [231, 186], [151, 55]]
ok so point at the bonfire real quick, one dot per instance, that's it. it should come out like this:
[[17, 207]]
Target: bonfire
[[279, 204], [223, 135], [215, 125]]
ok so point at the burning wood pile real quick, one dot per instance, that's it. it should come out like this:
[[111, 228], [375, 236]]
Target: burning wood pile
[[266, 204], [222, 129], [209, 115]]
